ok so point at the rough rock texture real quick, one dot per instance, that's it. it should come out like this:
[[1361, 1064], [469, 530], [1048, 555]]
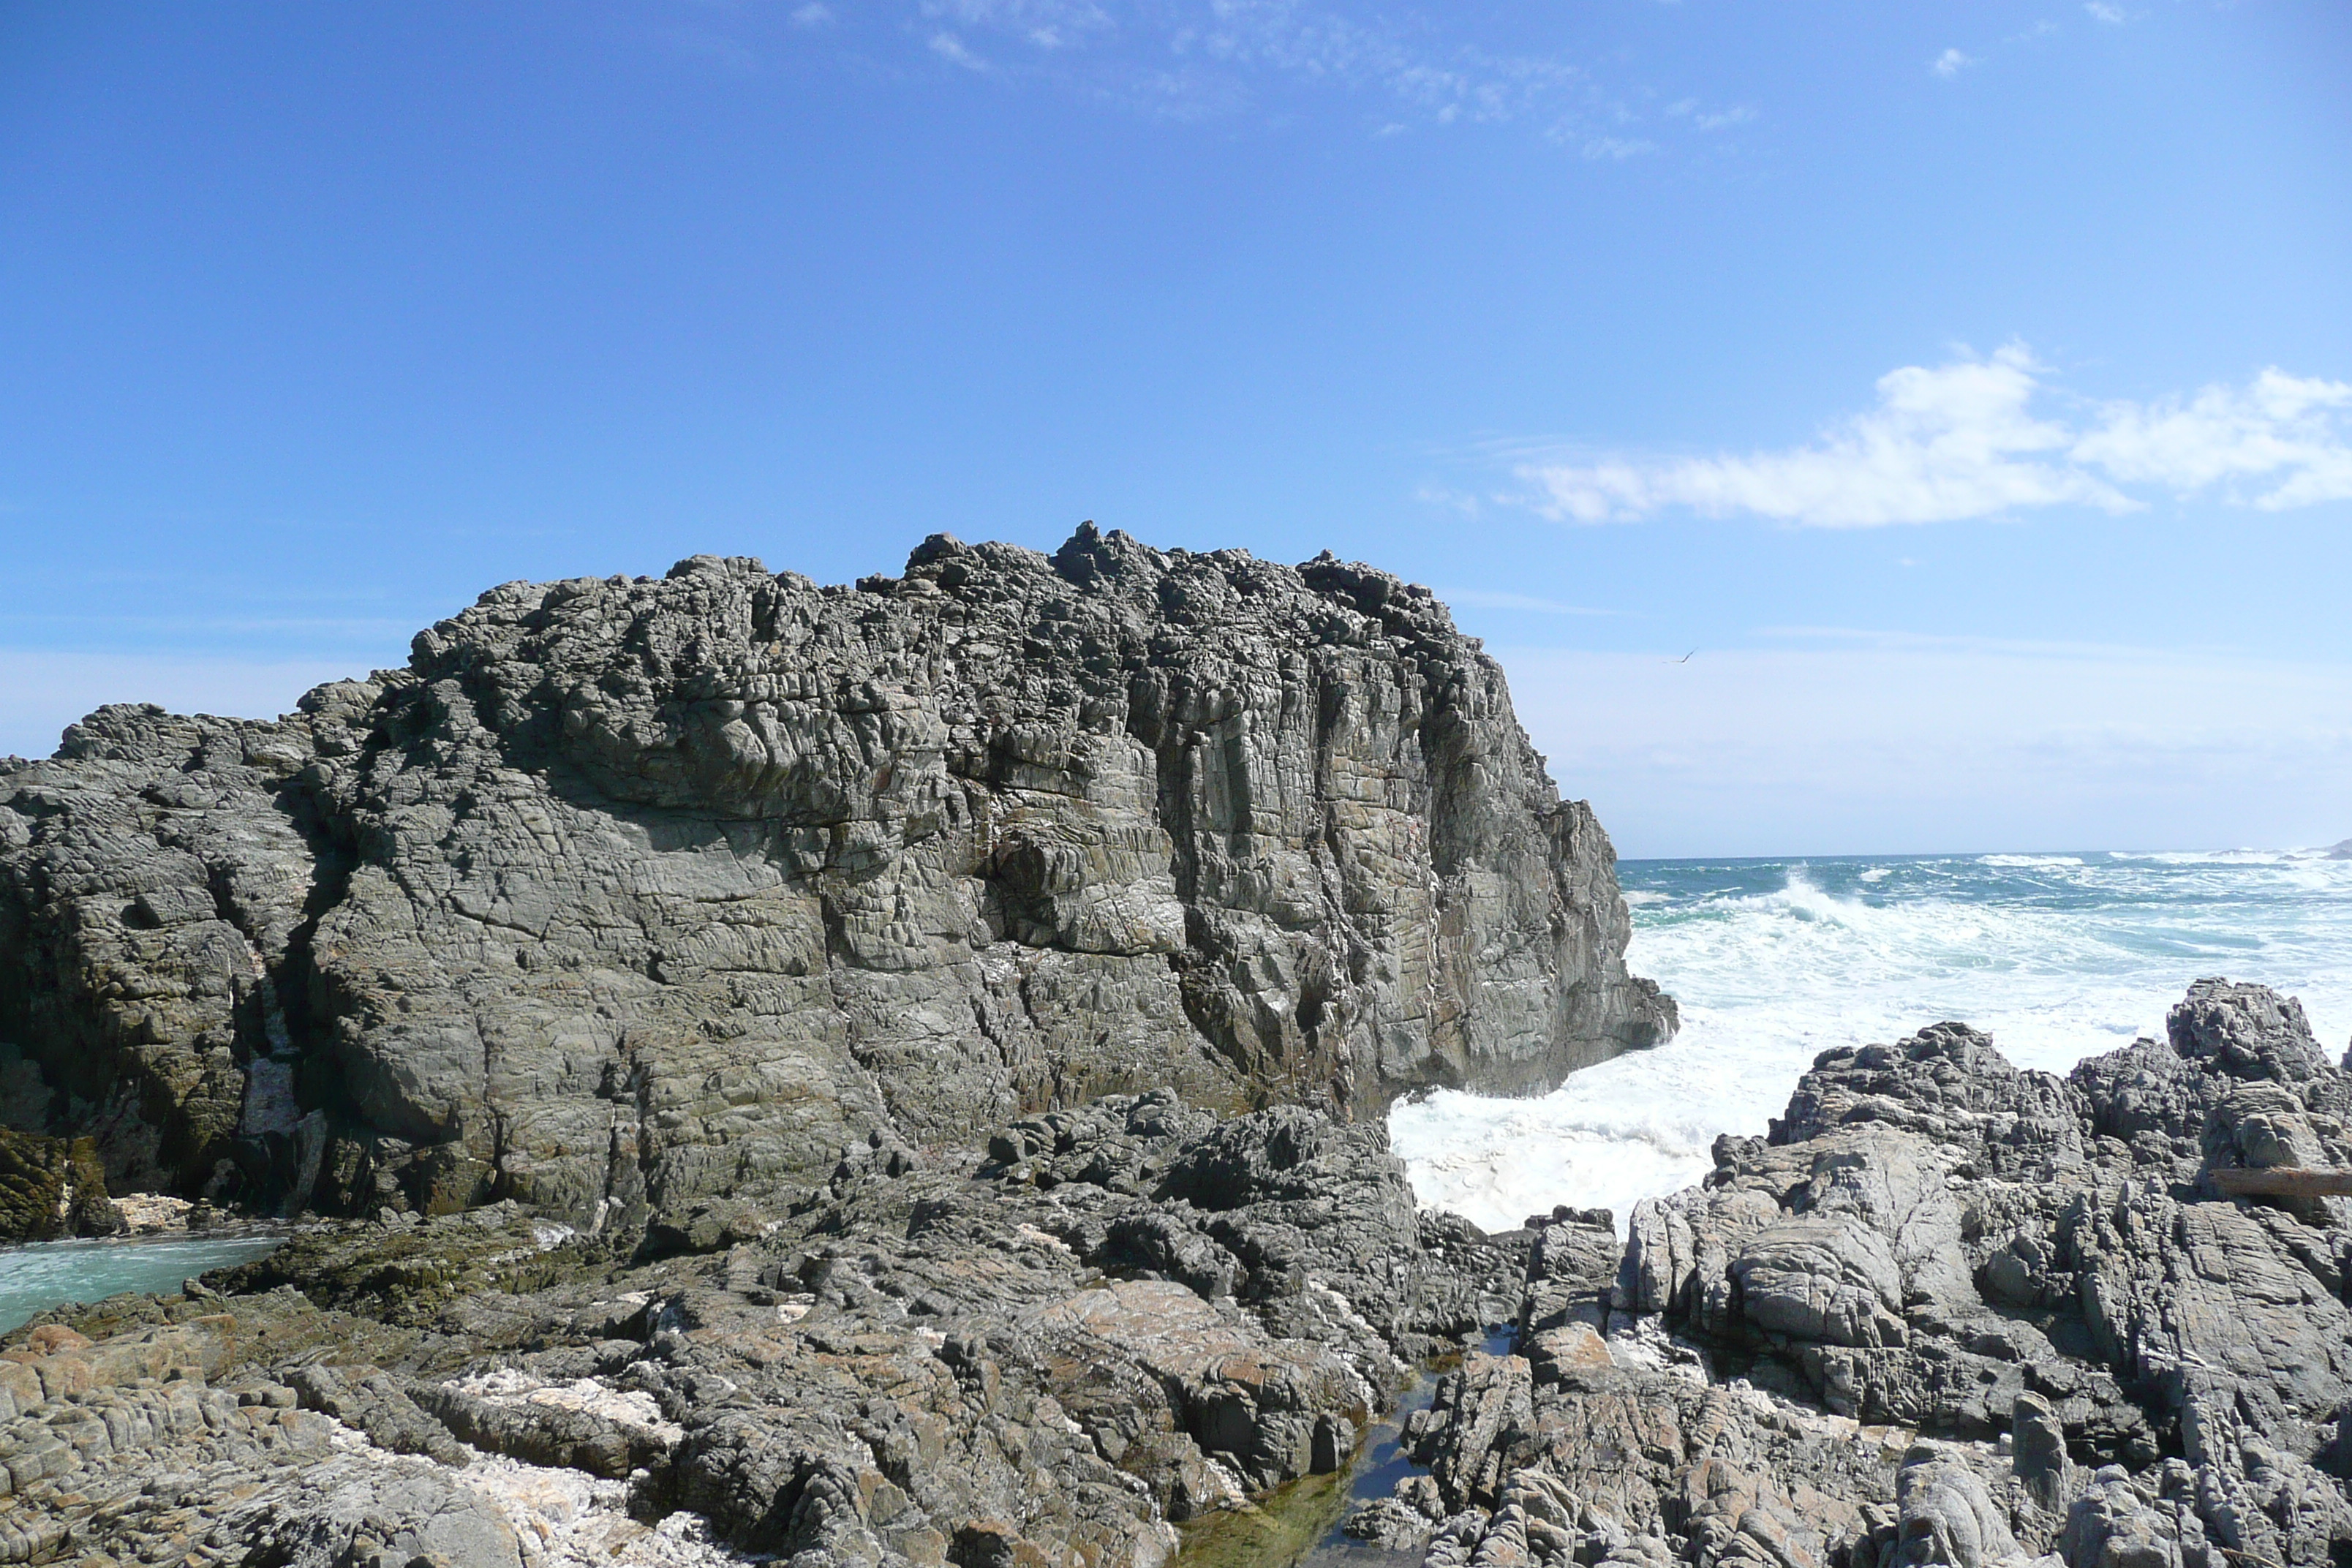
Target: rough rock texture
[[52, 1187], [1948, 1313], [626, 896], [1142, 1315]]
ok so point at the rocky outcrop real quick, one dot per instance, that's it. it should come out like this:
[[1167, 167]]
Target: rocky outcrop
[[628, 895], [1947, 1314], [1131, 1315]]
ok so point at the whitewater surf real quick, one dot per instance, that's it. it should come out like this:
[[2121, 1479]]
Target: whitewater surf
[[2057, 957]]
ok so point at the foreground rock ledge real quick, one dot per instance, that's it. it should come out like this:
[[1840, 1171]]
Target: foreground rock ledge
[[1948, 1312], [629, 895]]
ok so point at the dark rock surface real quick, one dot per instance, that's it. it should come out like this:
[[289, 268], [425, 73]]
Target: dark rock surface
[[1947, 1314], [629, 897], [52, 1187], [1144, 1315]]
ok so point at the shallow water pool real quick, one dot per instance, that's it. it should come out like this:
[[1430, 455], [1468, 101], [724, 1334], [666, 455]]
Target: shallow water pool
[[45, 1274]]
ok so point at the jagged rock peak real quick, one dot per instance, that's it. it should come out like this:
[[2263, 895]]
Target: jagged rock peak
[[631, 895]]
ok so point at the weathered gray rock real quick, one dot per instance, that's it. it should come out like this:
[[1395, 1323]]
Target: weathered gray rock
[[1812, 1357], [1949, 1084], [928, 1362], [1945, 1515], [1099, 1321], [627, 898], [2037, 1444]]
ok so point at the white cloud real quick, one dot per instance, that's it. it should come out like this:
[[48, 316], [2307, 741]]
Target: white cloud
[[1866, 743], [1943, 444], [2287, 437], [1706, 119], [2101, 11], [1616, 149], [1048, 23], [1963, 441], [950, 47], [813, 14], [1951, 63]]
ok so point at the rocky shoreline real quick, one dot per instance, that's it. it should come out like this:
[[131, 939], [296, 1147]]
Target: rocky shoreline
[[893, 1075], [1947, 1312]]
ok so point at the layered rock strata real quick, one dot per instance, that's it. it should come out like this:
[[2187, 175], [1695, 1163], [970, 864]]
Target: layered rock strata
[[627, 896], [1948, 1312]]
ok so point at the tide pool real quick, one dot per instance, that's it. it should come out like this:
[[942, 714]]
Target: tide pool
[[45, 1274]]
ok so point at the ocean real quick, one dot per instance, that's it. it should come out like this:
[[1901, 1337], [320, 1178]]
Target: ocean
[[2057, 957]]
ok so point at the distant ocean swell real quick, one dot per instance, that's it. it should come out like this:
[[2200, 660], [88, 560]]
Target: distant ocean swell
[[2057, 957]]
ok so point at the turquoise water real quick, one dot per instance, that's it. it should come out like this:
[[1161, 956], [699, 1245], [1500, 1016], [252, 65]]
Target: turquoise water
[[51, 1273], [2057, 957]]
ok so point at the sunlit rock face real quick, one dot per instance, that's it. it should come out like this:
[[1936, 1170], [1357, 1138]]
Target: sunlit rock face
[[628, 895]]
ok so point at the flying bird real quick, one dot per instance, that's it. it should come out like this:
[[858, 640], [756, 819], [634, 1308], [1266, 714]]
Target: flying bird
[[1685, 660]]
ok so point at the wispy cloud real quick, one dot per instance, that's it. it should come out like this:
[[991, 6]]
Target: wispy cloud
[[1951, 63], [1616, 149], [1703, 119], [951, 48], [1964, 440], [1409, 65], [1041, 23], [2102, 11]]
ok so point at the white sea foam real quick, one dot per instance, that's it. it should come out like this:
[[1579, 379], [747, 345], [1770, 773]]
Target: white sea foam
[[2058, 957]]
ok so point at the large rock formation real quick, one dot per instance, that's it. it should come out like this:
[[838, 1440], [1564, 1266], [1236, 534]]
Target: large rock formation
[[630, 896]]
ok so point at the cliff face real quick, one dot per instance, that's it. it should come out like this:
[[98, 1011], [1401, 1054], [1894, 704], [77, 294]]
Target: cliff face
[[628, 895]]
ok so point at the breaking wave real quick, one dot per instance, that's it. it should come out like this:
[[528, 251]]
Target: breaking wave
[[2056, 956]]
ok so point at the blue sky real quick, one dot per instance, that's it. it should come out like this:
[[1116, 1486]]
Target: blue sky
[[1970, 385]]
